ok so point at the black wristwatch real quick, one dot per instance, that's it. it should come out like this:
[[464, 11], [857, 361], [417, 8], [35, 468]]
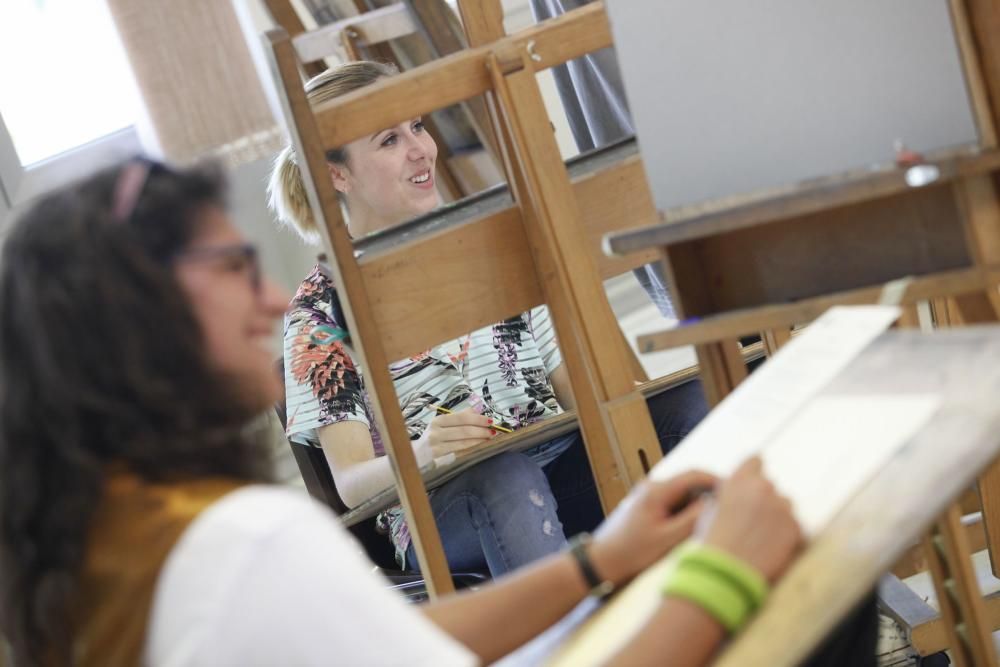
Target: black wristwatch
[[599, 588]]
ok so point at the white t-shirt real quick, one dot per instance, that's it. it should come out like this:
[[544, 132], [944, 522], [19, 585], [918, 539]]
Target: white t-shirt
[[266, 576]]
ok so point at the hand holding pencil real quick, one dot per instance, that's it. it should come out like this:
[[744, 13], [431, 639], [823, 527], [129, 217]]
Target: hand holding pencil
[[451, 432], [493, 426]]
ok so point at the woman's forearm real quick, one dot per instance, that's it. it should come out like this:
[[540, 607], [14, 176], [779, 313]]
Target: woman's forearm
[[679, 633], [357, 472], [362, 481], [504, 615]]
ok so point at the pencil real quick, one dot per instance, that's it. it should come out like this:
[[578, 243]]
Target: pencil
[[446, 411]]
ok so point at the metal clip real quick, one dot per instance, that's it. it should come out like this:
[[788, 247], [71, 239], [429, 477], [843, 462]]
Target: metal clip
[[531, 51]]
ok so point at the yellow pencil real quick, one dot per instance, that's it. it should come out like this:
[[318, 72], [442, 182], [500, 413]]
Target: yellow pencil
[[446, 411]]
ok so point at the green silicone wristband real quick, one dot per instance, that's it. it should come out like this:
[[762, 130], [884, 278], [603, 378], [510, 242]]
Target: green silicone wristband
[[711, 592], [751, 582]]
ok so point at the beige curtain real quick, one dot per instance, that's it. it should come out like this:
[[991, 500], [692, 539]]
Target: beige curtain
[[197, 80]]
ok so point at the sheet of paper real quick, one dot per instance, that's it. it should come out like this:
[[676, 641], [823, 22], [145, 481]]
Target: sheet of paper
[[835, 445], [820, 459], [750, 417]]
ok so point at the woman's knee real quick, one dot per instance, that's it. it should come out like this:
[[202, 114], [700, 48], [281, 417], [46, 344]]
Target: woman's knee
[[509, 473]]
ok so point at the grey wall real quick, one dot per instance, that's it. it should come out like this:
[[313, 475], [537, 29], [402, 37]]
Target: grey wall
[[286, 259]]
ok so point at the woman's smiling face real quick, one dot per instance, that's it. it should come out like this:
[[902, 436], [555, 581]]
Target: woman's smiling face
[[389, 176]]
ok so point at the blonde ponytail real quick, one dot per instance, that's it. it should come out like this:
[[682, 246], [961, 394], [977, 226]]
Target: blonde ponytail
[[287, 196]]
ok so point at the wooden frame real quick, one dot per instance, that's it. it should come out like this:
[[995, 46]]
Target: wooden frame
[[780, 257], [612, 412], [548, 210]]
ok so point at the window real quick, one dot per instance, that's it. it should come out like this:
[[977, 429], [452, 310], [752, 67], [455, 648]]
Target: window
[[67, 99]]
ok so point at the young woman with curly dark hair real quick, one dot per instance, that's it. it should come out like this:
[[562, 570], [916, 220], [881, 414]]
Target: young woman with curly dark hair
[[134, 329]]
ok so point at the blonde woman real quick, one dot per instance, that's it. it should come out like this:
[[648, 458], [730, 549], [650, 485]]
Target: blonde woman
[[502, 513]]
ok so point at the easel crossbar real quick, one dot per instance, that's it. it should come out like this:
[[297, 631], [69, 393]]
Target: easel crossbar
[[458, 77]]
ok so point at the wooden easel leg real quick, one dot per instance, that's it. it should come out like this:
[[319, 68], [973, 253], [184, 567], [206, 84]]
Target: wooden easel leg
[[638, 372], [774, 339], [603, 452], [980, 308], [722, 368], [570, 281], [910, 319], [361, 319], [989, 500], [969, 636], [977, 200], [629, 420]]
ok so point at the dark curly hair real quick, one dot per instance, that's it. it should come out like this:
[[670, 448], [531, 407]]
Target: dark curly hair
[[101, 363]]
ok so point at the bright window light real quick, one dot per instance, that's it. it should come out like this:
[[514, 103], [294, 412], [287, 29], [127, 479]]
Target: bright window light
[[64, 77]]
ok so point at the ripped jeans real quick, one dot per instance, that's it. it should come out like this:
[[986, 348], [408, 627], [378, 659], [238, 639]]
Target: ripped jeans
[[498, 515]]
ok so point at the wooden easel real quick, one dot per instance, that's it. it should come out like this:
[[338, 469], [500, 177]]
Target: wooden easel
[[778, 259], [845, 559], [548, 210], [525, 247]]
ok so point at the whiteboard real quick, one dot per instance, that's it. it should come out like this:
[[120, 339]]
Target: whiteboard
[[730, 96]]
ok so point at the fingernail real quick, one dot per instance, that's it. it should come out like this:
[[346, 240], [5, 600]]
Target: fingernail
[[489, 421], [493, 431]]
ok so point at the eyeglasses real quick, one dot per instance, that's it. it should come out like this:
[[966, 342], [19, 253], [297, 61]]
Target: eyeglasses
[[132, 180], [243, 256]]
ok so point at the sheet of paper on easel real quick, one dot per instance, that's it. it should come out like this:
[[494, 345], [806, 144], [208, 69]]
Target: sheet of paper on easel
[[818, 449], [731, 97]]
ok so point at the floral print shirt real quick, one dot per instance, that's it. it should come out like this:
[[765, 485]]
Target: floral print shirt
[[502, 370]]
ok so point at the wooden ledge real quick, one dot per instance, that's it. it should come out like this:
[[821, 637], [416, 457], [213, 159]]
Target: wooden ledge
[[743, 322], [690, 223]]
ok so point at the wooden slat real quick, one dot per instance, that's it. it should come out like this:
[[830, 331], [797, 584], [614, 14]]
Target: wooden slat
[[775, 339], [457, 77], [984, 17], [969, 502], [959, 599], [975, 84], [900, 602], [980, 210], [721, 369], [832, 251], [374, 27], [284, 15], [739, 323], [489, 252], [769, 206], [437, 21], [368, 349], [915, 560], [482, 20], [931, 637], [581, 315]]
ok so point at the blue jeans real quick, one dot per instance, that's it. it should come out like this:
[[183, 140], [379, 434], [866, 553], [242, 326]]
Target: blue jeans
[[675, 413], [502, 513], [497, 516]]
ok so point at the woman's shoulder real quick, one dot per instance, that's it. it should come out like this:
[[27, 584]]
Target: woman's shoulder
[[317, 286], [255, 512], [268, 576], [316, 299]]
